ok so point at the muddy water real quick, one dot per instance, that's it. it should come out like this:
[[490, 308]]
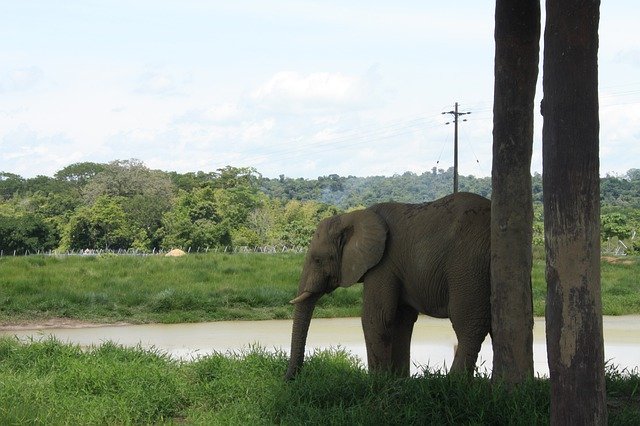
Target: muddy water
[[432, 344]]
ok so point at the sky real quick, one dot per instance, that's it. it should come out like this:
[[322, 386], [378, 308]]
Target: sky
[[297, 88]]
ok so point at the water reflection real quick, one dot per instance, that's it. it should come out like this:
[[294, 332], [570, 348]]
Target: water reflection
[[432, 344]]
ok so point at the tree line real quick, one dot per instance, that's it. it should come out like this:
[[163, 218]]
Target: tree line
[[124, 204]]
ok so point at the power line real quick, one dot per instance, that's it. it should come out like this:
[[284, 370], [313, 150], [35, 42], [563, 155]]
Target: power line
[[482, 111]]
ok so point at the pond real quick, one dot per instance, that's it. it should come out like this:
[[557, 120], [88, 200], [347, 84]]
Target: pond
[[432, 343]]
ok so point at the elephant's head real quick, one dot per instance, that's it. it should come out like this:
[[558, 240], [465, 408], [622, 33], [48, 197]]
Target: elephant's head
[[343, 249]]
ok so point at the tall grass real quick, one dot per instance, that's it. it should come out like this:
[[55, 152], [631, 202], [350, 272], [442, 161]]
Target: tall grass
[[209, 287], [200, 287], [620, 281], [53, 383]]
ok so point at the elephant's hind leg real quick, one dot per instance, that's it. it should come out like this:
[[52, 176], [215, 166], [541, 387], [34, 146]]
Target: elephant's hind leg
[[401, 347], [470, 338]]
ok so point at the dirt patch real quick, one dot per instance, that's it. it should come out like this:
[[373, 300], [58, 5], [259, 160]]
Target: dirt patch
[[55, 323], [175, 253], [618, 260]]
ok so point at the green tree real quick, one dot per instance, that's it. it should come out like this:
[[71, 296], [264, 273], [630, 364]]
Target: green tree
[[236, 177], [45, 185], [148, 193], [194, 222], [79, 174], [128, 178], [614, 225], [10, 185], [26, 233], [297, 223], [103, 225], [189, 181], [633, 174]]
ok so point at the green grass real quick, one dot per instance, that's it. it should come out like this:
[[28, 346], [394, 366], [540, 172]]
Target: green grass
[[620, 281], [53, 383], [200, 287], [621, 285], [210, 287]]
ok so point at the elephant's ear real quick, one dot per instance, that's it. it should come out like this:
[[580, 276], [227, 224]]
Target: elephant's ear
[[365, 234]]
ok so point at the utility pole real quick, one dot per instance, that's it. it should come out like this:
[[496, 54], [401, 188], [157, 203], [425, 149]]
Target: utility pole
[[455, 114]]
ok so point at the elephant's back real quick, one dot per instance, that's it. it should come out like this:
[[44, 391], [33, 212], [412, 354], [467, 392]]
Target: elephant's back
[[452, 214], [436, 244]]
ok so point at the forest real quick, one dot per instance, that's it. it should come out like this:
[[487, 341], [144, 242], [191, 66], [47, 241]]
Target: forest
[[124, 204]]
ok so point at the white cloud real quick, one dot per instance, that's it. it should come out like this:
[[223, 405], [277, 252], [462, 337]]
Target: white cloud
[[20, 79], [629, 57], [288, 90], [28, 151], [226, 113], [256, 131], [158, 82]]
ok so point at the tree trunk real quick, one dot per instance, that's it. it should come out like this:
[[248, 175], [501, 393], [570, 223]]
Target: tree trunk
[[517, 38], [572, 213]]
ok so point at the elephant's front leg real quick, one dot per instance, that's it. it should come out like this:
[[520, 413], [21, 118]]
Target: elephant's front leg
[[406, 317], [380, 305]]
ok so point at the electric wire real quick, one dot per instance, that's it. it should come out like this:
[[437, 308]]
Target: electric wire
[[482, 111]]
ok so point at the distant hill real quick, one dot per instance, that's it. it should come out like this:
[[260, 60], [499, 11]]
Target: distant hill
[[352, 191]]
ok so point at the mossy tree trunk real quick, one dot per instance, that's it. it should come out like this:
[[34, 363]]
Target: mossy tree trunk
[[517, 38], [572, 213]]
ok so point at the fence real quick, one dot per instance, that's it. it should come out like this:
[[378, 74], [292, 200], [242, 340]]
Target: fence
[[156, 252]]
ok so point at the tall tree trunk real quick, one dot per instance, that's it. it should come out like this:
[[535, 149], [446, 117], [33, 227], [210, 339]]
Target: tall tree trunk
[[517, 38], [572, 212]]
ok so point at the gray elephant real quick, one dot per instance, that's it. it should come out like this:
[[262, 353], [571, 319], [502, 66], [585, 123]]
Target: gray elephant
[[431, 258]]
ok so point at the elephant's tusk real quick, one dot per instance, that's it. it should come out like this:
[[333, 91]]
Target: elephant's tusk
[[304, 296]]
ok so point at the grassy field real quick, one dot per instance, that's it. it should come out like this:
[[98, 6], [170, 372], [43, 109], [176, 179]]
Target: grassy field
[[53, 383], [210, 287]]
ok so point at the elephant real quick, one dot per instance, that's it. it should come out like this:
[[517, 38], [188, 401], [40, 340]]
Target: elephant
[[431, 258]]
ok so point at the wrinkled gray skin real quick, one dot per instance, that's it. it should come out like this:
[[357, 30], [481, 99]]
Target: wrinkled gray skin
[[430, 258]]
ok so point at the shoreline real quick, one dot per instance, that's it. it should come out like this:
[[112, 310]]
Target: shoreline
[[72, 323]]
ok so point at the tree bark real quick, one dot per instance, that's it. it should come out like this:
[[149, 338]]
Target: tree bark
[[572, 213], [517, 38]]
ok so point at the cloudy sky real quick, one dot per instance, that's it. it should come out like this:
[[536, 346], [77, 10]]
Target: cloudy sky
[[301, 88]]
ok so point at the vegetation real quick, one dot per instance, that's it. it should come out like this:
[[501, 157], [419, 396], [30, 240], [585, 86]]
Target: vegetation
[[50, 382], [124, 204], [137, 289], [211, 287]]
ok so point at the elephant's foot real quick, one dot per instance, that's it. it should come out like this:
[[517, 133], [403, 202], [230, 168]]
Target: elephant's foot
[[464, 360]]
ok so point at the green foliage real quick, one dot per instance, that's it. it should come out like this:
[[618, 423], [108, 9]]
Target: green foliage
[[214, 286], [237, 206], [52, 383], [620, 290], [195, 222], [297, 222], [10, 185], [128, 178], [538, 225], [614, 225], [79, 174], [102, 225], [26, 233], [136, 289], [49, 382]]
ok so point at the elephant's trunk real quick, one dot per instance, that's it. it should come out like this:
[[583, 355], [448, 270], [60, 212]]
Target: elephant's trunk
[[305, 304]]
